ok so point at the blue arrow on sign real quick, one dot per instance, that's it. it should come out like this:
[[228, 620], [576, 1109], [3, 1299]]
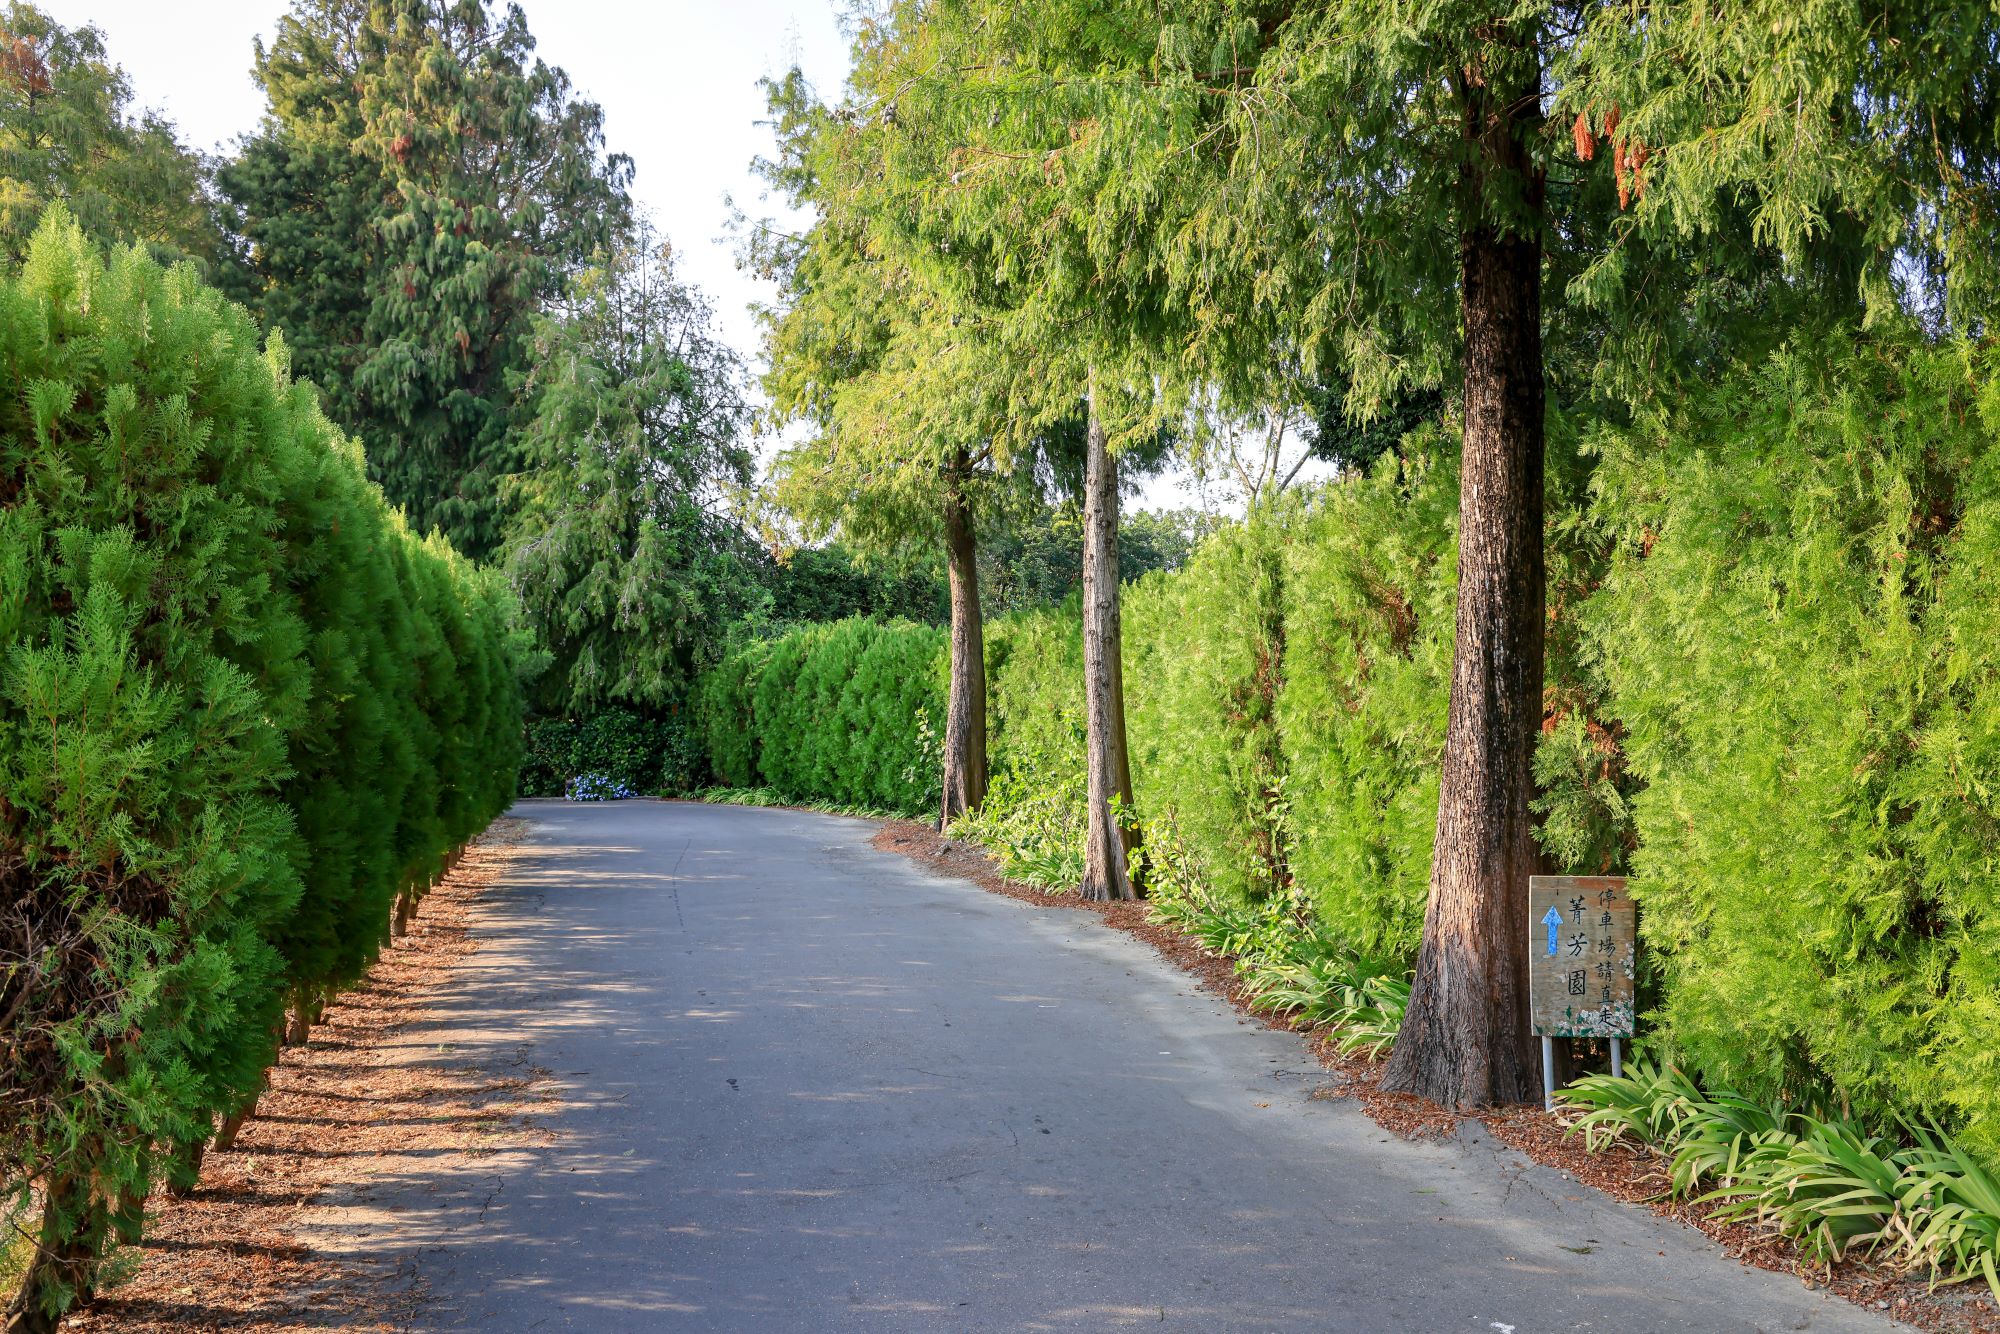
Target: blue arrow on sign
[[1553, 920]]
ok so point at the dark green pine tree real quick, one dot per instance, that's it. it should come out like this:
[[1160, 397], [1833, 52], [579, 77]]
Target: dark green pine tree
[[421, 185]]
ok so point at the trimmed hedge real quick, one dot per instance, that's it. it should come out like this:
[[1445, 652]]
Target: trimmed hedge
[[1799, 630], [849, 712], [1772, 696], [242, 709]]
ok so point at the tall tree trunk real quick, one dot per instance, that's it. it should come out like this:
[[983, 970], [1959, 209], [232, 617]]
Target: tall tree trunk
[[1108, 845], [1465, 1037], [965, 711]]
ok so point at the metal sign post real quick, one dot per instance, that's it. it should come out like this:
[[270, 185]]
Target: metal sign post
[[1582, 944]]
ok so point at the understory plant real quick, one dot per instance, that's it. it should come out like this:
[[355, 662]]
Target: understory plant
[[1035, 833], [1818, 1177], [1289, 964]]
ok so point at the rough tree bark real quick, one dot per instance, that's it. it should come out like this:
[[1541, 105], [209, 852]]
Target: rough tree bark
[[1465, 1037], [965, 710], [1108, 845], [232, 1124]]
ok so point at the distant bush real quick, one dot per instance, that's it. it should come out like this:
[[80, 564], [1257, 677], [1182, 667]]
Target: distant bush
[[647, 755], [848, 713]]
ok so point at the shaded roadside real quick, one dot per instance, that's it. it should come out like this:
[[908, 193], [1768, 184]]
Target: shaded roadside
[[1626, 1172], [371, 1087]]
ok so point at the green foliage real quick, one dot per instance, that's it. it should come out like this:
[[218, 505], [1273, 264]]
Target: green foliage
[[848, 713], [1371, 587], [1288, 966], [1794, 631], [765, 796], [827, 583], [643, 753], [421, 185], [1895, 114], [1032, 555], [627, 566], [241, 708], [1825, 1181], [1033, 816], [723, 707], [1208, 645], [67, 134]]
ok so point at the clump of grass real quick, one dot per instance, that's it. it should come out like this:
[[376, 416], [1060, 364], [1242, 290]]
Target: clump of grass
[[766, 796]]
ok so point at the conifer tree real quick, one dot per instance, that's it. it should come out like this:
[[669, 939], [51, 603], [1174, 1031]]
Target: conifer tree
[[897, 395], [67, 133], [627, 563], [961, 123], [422, 184]]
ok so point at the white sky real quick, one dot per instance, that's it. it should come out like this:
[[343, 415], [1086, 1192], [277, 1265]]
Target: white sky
[[677, 80]]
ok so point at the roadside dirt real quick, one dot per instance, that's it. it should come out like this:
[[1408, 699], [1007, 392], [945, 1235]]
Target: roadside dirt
[[1626, 1172], [356, 1096]]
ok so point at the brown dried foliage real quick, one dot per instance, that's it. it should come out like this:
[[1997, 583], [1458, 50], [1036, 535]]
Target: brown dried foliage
[[22, 65]]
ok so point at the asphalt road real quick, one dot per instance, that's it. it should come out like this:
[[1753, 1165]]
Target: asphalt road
[[807, 1085]]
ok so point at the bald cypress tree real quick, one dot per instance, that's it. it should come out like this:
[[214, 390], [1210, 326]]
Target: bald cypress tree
[[907, 434]]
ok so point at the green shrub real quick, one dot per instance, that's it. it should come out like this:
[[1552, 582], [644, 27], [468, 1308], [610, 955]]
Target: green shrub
[[1797, 632], [241, 709], [846, 713], [1371, 589], [1033, 817], [1205, 650], [633, 750], [724, 717]]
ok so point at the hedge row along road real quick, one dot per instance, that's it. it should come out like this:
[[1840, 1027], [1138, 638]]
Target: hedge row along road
[[804, 1084], [247, 718]]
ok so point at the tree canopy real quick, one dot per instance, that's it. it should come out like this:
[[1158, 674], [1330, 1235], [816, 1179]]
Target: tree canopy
[[627, 562], [422, 184], [68, 133]]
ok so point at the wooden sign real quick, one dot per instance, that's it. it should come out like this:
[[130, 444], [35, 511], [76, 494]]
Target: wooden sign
[[1582, 944]]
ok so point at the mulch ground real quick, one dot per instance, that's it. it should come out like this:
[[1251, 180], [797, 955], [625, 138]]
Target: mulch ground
[[1625, 1171], [230, 1254]]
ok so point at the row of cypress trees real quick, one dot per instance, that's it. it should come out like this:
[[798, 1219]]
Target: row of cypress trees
[[246, 716]]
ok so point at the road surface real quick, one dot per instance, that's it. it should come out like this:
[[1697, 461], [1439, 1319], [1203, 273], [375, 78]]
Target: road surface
[[806, 1085]]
